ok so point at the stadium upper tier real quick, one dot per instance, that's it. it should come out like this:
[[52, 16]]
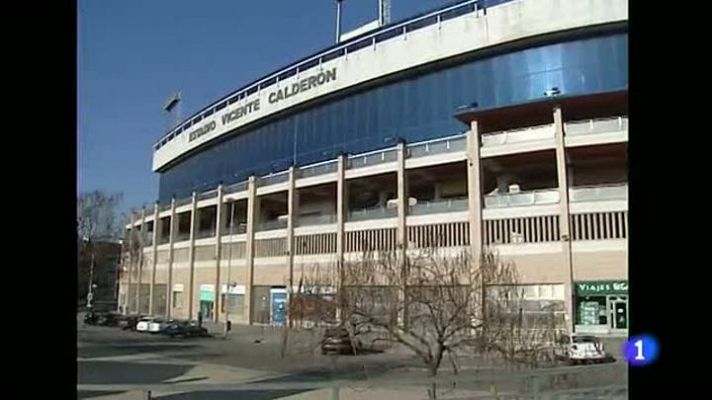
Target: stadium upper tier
[[404, 81]]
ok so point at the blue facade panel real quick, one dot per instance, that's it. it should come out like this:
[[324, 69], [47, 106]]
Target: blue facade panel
[[414, 109]]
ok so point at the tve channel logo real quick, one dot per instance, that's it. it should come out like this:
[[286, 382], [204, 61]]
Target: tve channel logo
[[641, 350]]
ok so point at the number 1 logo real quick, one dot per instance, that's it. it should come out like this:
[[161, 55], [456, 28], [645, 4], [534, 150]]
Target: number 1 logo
[[641, 350]]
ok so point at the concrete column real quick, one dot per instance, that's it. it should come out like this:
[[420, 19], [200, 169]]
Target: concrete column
[[402, 198], [341, 207], [564, 217], [155, 258], [220, 210], [139, 279], [292, 206], [191, 254], [171, 240], [131, 262], [402, 239], [474, 191], [252, 217]]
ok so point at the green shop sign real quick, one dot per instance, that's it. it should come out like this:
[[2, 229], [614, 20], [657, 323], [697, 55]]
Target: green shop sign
[[593, 288], [207, 293]]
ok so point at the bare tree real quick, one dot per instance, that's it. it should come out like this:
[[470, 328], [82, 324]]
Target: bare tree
[[96, 221], [431, 302], [436, 302]]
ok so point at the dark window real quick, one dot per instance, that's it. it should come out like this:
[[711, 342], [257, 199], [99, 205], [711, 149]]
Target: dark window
[[268, 82], [359, 45], [287, 74], [468, 8], [221, 106], [421, 24], [307, 65], [333, 55], [389, 34]]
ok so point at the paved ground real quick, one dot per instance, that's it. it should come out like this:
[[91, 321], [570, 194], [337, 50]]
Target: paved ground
[[112, 364]]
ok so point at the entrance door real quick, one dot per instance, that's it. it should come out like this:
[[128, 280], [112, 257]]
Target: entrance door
[[206, 309], [279, 306], [619, 313]]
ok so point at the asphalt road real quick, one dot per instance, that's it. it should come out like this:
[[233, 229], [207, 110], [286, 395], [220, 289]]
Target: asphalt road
[[116, 364]]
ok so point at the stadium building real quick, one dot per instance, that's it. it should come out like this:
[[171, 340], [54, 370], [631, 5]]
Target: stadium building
[[499, 124]]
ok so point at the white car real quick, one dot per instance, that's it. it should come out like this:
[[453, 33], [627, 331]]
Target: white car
[[157, 325], [143, 323], [583, 349]]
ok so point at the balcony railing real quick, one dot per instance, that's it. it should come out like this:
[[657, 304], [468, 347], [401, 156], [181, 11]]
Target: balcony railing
[[528, 134], [599, 125], [272, 225], [317, 169], [164, 207], [439, 206], [274, 179], [208, 195], [437, 146], [308, 220], [598, 193], [237, 187], [184, 201], [371, 158], [529, 198], [371, 213]]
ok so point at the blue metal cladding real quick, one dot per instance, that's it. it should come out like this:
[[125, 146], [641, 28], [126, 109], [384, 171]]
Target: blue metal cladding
[[414, 109]]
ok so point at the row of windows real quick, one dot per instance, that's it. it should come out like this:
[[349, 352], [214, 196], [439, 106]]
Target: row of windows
[[414, 109]]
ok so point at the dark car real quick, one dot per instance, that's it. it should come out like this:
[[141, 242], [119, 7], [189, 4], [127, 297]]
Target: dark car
[[101, 318], [91, 317], [184, 329], [129, 322], [338, 340], [108, 319]]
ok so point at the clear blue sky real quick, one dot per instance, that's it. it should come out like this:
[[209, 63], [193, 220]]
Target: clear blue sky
[[131, 54]]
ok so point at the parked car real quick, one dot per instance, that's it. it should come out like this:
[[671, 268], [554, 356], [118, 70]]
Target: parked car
[[129, 322], [142, 324], [91, 318], [157, 325], [101, 318], [108, 319], [184, 329], [338, 340], [582, 349]]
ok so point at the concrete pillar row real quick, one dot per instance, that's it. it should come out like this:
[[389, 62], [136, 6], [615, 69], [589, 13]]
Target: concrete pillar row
[[220, 210], [252, 220], [154, 258], [191, 256], [564, 217], [171, 240]]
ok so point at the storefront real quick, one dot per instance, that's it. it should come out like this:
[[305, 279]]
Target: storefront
[[602, 307]]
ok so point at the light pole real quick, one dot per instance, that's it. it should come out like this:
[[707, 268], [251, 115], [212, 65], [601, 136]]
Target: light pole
[[229, 265], [90, 294]]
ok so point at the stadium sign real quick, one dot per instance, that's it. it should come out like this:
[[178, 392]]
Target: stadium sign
[[274, 97], [302, 86]]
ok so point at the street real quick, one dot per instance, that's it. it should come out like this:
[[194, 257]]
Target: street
[[116, 364]]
